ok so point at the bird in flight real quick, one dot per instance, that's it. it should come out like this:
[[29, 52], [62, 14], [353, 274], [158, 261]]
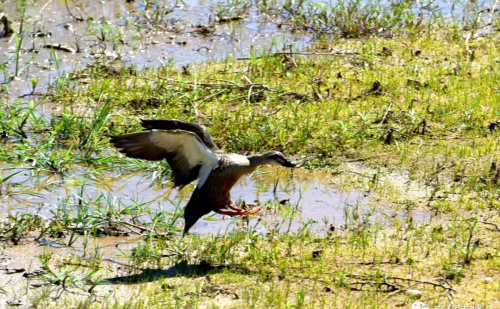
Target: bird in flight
[[192, 154]]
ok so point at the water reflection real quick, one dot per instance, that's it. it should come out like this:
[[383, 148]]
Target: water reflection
[[131, 38], [308, 196]]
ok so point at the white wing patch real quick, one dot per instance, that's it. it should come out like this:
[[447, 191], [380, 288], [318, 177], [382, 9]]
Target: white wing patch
[[187, 144], [205, 172]]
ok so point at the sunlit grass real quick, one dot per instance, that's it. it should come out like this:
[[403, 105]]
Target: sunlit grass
[[410, 121]]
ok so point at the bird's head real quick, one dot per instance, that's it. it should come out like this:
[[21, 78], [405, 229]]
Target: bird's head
[[275, 158]]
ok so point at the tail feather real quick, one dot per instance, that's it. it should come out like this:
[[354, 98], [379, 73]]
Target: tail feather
[[197, 207]]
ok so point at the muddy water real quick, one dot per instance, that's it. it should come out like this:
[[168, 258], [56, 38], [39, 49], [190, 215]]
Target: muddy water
[[129, 33], [308, 196], [131, 37]]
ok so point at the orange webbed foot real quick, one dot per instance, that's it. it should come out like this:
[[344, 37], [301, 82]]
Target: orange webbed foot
[[235, 208], [252, 211], [227, 212], [237, 211]]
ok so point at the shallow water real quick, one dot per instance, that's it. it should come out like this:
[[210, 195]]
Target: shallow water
[[307, 195], [132, 39], [315, 198]]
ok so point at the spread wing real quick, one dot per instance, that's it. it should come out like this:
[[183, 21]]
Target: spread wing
[[186, 154], [199, 130]]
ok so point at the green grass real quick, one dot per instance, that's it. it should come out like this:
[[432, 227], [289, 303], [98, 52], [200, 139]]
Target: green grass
[[407, 119]]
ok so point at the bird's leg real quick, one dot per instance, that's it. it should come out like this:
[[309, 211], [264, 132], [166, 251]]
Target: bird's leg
[[242, 211], [227, 212], [252, 211], [237, 211], [235, 208]]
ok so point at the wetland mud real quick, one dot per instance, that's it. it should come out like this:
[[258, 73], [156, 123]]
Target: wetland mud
[[396, 102], [122, 33], [305, 196]]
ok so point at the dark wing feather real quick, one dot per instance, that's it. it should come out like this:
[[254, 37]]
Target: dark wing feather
[[199, 130], [184, 151]]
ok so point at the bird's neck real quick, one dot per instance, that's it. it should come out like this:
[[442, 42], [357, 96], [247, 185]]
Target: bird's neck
[[257, 160]]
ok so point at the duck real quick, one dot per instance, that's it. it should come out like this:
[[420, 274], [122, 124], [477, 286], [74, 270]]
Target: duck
[[192, 154]]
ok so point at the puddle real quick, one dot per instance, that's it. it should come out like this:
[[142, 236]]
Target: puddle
[[20, 264], [130, 33], [131, 38], [306, 195]]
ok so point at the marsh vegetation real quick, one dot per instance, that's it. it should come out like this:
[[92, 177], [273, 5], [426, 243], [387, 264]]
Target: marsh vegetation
[[395, 108]]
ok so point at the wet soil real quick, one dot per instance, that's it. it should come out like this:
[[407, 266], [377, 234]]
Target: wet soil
[[21, 268], [183, 37], [123, 33]]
